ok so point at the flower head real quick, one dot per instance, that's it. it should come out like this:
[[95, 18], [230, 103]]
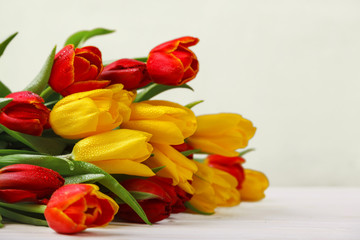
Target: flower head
[[77, 70], [75, 207], [119, 151], [30, 183], [222, 133], [129, 72], [26, 113], [173, 63], [87, 113]]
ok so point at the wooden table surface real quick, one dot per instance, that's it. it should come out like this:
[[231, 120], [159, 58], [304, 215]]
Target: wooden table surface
[[286, 213]]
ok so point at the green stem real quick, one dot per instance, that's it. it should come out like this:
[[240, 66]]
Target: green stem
[[47, 92], [1, 224], [34, 208], [17, 217]]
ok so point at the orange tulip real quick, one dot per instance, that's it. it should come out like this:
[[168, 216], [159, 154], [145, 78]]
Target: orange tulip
[[75, 207]]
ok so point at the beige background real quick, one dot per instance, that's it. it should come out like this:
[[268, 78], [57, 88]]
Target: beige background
[[292, 67]]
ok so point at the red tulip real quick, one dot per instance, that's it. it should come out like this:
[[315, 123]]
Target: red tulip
[[75, 207], [24, 182], [129, 72], [232, 165], [26, 113], [77, 70], [165, 199], [172, 63], [178, 195], [156, 208]]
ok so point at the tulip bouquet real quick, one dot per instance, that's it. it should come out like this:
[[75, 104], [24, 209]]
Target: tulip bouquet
[[84, 144]]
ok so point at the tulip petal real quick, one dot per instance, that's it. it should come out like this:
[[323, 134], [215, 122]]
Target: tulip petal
[[128, 167], [61, 223], [117, 144], [62, 73]]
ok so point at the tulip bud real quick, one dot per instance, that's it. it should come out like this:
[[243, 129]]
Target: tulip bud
[[232, 165], [129, 72], [222, 133], [87, 113], [172, 63], [168, 122], [120, 151], [24, 182], [77, 70], [26, 113], [213, 188], [254, 185], [75, 207]]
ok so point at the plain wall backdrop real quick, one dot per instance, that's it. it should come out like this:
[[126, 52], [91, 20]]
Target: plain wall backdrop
[[291, 67]]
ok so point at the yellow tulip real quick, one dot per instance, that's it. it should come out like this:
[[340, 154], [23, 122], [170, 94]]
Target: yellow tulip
[[84, 114], [119, 151], [177, 167], [254, 185], [213, 188], [222, 134], [168, 122]]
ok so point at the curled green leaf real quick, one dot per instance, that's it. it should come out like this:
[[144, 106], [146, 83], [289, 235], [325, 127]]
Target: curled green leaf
[[6, 42], [41, 80], [79, 38], [193, 104], [154, 89]]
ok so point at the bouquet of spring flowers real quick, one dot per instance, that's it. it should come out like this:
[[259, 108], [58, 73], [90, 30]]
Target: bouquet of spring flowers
[[83, 144]]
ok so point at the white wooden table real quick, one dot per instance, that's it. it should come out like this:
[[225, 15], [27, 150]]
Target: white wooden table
[[286, 213]]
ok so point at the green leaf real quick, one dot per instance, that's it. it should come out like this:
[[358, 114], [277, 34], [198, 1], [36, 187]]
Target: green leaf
[[246, 151], [18, 217], [4, 101], [4, 44], [60, 165], [155, 89], [155, 170], [139, 196], [1, 224], [193, 104], [25, 207], [41, 80], [90, 177], [4, 90], [142, 59], [4, 152], [189, 152], [194, 209], [79, 38], [52, 146]]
